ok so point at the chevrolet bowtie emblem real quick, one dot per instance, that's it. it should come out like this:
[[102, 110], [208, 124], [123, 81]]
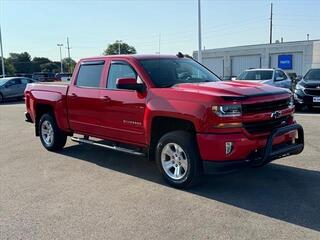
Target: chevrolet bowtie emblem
[[275, 114]]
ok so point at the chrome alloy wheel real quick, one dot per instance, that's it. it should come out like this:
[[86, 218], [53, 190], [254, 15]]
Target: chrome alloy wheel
[[47, 133], [174, 161]]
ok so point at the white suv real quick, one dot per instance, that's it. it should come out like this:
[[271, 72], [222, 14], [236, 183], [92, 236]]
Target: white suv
[[275, 77]]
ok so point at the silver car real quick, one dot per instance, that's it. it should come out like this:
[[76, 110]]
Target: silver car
[[274, 77], [13, 87]]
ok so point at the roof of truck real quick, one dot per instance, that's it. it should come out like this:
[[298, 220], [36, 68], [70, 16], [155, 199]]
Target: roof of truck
[[136, 56]]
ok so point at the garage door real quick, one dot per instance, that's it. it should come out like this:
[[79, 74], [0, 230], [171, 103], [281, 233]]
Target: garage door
[[215, 65], [296, 62], [241, 63]]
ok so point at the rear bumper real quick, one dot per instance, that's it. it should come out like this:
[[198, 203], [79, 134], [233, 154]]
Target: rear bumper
[[280, 143]]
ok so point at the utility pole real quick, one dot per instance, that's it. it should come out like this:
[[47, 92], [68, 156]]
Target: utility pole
[[2, 58], [69, 59], [271, 16], [61, 65], [119, 46], [199, 33]]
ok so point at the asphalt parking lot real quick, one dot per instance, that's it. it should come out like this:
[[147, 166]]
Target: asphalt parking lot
[[86, 192]]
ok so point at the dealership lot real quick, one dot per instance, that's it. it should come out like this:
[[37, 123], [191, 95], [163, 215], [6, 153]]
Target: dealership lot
[[85, 192]]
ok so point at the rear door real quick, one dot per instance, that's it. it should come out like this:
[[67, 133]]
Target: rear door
[[84, 103], [123, 110]]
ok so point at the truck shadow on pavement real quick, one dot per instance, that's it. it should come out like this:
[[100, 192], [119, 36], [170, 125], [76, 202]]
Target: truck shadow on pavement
[[282, 192]]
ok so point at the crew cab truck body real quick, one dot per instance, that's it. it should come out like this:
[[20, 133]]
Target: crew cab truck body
[[170, 108]]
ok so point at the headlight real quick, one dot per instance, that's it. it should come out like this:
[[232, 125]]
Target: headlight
[[227, 110], [300, 87]]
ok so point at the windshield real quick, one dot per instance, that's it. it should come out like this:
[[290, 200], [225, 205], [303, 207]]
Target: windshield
[[313, 74], [255, 75], [168, 72], [3, 81]]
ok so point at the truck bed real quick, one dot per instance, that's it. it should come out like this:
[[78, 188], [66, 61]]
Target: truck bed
[[59, 87]]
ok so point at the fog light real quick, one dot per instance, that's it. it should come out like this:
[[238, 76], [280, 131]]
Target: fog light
[[229, 147]]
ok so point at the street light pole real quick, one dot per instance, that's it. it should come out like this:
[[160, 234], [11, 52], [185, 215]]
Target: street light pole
[[199, 33], [61, 65], [119, 46], [2, 58]]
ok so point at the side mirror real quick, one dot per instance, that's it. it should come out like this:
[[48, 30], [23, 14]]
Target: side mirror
[[130, 84]]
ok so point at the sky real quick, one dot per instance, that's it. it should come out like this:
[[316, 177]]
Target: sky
[[149, 25]]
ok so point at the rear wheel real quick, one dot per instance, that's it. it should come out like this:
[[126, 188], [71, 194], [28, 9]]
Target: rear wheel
[[1, 98], [52, 138], [178, 159]]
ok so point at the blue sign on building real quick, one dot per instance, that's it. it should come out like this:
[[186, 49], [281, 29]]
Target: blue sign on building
[[285, 61]]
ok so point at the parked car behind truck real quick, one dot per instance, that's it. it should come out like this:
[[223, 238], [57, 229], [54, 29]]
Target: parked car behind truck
[[307, 92], [274, 77], [169, 108], [13, 87]]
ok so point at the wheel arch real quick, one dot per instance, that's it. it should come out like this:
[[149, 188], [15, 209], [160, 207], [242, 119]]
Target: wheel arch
[[161, 125]]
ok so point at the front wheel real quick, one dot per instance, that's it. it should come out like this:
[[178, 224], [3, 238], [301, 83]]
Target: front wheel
[[52, 138], [178, 159]]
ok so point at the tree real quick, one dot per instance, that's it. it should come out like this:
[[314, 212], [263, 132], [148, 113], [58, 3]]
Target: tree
[[113, 49], [8, 67], [68, 64], [37, 62], [50, 67], [21, 62]]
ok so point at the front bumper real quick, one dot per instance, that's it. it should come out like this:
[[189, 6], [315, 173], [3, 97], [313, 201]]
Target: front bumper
[[280, 143], [303, 99]]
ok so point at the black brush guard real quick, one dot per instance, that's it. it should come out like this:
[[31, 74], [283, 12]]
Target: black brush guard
[[270, 152]]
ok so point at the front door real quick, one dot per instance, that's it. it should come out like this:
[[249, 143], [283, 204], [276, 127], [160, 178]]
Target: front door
[[123, 110], [281, 80], [12, 88]]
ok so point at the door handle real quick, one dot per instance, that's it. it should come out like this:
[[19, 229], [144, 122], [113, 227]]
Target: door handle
[[106, 98]]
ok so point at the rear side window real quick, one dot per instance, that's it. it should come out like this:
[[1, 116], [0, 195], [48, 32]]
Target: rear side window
[[89, 75], [119, 70], [25, 81]]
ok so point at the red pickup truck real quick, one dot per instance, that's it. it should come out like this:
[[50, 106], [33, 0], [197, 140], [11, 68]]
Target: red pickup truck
[[169, 108]]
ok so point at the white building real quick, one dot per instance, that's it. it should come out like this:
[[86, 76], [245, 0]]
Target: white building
[[293, 57]]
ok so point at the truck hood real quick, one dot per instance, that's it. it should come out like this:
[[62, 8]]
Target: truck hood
[[236, 89]]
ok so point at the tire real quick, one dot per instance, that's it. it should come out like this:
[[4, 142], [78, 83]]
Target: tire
[[1, 98], [178, 159], [52, 138]]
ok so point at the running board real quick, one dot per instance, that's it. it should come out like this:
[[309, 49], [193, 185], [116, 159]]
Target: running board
[[120, 149]]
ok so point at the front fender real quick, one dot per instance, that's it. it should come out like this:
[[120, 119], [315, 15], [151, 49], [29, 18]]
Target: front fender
[[180, 109]]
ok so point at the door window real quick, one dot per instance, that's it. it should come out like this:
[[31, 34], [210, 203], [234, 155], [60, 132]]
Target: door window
[[26, 81], [90, 74], [13, 82], [119, 70], [280, 75]]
